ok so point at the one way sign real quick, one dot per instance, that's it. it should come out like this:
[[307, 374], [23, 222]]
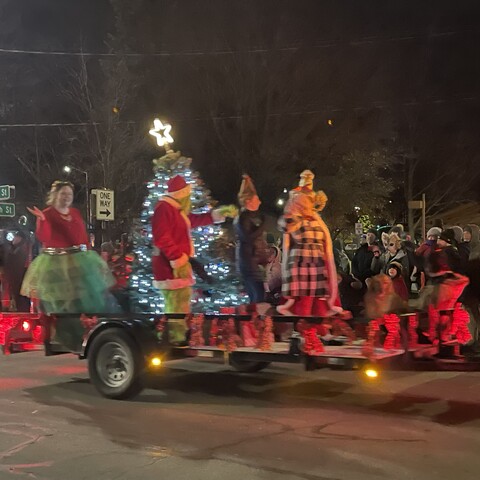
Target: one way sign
[[105, 205]]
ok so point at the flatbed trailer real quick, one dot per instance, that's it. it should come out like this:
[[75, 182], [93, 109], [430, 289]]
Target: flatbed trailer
[[122, 350]]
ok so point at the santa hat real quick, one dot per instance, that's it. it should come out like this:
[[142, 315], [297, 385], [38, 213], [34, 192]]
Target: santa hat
[[178, 187], [247, 190]]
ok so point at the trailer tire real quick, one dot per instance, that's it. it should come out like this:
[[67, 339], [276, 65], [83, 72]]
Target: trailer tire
[[115, 364], [247, 366]]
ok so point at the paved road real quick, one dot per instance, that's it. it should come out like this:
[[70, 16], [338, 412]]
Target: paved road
[[200, 420]]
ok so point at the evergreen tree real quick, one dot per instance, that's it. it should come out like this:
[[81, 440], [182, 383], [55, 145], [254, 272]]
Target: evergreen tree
[[217, 284]]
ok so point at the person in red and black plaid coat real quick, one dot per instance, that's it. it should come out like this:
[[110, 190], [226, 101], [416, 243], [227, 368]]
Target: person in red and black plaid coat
[[309, 273]]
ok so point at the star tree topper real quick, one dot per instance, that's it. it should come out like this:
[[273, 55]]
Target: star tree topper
[[162, 133]]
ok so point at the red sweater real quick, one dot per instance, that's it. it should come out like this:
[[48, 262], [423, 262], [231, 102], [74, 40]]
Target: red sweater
[[57, 232]]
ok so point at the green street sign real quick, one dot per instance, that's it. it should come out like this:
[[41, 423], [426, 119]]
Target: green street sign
[[7, 209], [4, 192]]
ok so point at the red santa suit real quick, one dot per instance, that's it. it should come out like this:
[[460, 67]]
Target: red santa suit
[[173, 244]]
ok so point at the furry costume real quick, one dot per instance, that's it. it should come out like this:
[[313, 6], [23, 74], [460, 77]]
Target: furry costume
[[173, 246]]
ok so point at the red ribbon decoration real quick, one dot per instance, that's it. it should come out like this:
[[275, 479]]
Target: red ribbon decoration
[[392, 324], [195, 325]]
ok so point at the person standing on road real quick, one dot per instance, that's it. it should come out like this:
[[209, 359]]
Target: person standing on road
[[16, 263]]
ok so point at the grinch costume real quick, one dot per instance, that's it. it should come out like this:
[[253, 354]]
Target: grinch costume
[[173, 246]]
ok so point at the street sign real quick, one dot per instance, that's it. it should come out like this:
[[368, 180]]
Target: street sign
[[6, 192], [358, 228], [7, 209], [415, 204], [105, 205]]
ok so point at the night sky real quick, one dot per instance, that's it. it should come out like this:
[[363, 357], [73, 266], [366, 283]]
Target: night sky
[[405, 75]]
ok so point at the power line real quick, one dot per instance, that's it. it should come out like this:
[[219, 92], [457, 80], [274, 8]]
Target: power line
[[324, 44], [381, 105]]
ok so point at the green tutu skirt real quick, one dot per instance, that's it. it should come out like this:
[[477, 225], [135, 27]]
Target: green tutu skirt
[[71, 283]]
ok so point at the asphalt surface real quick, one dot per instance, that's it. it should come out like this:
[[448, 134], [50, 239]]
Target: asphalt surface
[[202, 420]]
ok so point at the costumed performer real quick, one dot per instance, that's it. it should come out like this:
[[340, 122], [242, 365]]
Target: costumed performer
[[67, 277], [309, 274], [252, 249], [173, 246]]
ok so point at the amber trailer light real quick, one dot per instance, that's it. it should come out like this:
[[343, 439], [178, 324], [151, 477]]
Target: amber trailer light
[[155, 362], [371, 373]]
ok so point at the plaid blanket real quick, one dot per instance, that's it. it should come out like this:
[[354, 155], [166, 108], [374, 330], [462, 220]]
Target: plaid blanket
[[306, 274]]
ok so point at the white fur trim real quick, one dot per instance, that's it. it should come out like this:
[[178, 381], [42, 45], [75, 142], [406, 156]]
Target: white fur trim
[[173, 283], [179, 262], [217, 216], [182, 193]]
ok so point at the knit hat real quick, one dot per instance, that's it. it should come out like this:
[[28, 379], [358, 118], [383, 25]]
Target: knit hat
[[178, 187], [458, 231], [468, 228], [397, 266], [448, 236], [434, 232], [247, 190]]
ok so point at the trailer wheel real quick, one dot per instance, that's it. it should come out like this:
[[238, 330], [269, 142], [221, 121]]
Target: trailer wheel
[[115, 365], [246, 366]]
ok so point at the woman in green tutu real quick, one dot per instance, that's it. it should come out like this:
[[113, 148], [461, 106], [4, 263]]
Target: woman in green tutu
[[67, 277]]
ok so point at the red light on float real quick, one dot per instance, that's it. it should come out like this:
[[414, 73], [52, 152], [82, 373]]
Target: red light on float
[[26, 326]]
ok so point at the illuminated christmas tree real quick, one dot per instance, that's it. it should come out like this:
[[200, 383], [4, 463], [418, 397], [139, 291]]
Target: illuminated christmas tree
[[217, 284]]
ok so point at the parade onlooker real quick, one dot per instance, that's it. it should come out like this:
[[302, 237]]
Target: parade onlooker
[[462, 247], [16, 263], [377, 260], [446, 243], [429, 244], [342, 262], [362, 260], [67, 277], [471, 235], [399, 285], [395, 253]]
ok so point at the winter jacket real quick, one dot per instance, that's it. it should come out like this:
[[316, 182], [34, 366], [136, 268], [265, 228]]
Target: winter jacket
[[362, 262], [474, 243]]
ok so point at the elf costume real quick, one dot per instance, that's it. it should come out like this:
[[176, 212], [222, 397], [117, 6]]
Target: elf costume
[[173, 246]]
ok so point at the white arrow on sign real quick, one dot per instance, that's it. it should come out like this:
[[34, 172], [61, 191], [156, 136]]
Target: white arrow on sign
[[105, 205]]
